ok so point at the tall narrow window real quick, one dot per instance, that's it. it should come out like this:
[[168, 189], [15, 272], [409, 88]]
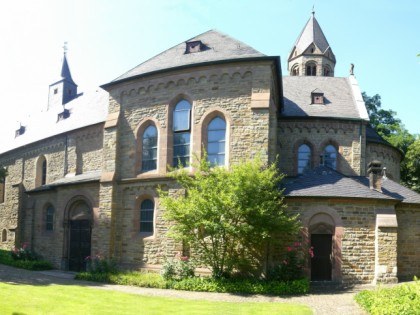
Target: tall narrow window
[[44, 172], [149, 149], [49, 218], [4, 235], [304, 158], [330, 157], [216, 140], [146, 216], [311, 69], [182, 133]]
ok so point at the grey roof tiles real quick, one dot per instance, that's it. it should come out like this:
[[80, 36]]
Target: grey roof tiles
[[218, 47], [339, 101], [325, 182]]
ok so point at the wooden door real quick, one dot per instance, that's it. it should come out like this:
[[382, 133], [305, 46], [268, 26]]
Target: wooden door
[[80, 238], [321, 267]]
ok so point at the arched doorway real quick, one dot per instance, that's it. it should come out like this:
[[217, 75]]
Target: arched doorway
[[322, 231], [79, 231]]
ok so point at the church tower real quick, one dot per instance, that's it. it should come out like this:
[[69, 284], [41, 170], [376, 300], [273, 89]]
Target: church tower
[[311, 54], [64, 90]]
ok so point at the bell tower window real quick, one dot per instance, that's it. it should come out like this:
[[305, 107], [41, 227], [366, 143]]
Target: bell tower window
[[295, 70], [311, 69]]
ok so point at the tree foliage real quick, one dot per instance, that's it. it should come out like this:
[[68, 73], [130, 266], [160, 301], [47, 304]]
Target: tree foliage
[[228, 217], [387, 125]]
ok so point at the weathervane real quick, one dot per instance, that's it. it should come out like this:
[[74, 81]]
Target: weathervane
[[65, 48], [313, 10]]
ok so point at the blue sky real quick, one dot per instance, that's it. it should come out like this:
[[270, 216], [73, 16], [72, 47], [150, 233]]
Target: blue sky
[[106, 38]]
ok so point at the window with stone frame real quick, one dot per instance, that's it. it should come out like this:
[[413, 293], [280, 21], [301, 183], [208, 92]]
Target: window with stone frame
[[311, 69], [304, 158], [41, 171], [49, 218], [4, 235], [216, 141], [295, 70], [149, 149], [329, 157], [146, 216], [181, 127], [327, 71]]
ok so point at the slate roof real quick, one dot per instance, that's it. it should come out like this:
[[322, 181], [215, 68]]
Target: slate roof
[[88, 109], [218, 47], [325, 182], [312, 33], [77, 179], [373, 136], [341, 98], [65, 71]]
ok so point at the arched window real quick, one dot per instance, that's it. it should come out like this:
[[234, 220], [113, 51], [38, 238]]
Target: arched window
[[49, 218], [330, 157], [146, 216], [44, 172], [295, 70], [182, 133], [41, 171], [310, 69], [149, 149], [304, 158], [327, 71], [216, 140], [4, 235]]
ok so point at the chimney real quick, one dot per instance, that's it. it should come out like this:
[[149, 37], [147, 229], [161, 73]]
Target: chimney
[[375, 175]]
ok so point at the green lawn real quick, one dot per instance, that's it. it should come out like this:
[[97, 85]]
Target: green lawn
[[19, 299]]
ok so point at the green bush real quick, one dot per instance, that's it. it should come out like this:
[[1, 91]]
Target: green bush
[[202, 284], [99, 264], [402, 299], [6, 258], [179, 267]]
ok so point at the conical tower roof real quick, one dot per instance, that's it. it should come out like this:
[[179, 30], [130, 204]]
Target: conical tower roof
[[65, 70], [312, 34]]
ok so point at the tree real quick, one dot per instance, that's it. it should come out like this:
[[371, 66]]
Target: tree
[[412, 162], [229, 217], [387, 125]]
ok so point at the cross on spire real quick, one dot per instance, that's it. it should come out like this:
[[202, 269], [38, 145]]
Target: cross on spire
[[65, 48]]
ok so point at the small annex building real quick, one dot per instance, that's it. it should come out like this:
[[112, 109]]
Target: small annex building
[[83, 174]]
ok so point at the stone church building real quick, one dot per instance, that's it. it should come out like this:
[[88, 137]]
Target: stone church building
[[83, 174]]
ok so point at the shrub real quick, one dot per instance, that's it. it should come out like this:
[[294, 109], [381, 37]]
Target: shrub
[[179, 267], [23, 253], [202, 284], [99, 264], [6, 258], [401, 299], [292, 264]]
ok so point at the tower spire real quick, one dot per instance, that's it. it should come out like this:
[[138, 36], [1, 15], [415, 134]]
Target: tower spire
[[65, 89], [311, 54]]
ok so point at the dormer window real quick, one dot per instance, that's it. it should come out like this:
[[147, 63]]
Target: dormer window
[[63, 115], [20, 131], [317, 97], [195, 46]]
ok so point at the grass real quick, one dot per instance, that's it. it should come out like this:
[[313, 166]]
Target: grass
[[19, 299], [403, 299]]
